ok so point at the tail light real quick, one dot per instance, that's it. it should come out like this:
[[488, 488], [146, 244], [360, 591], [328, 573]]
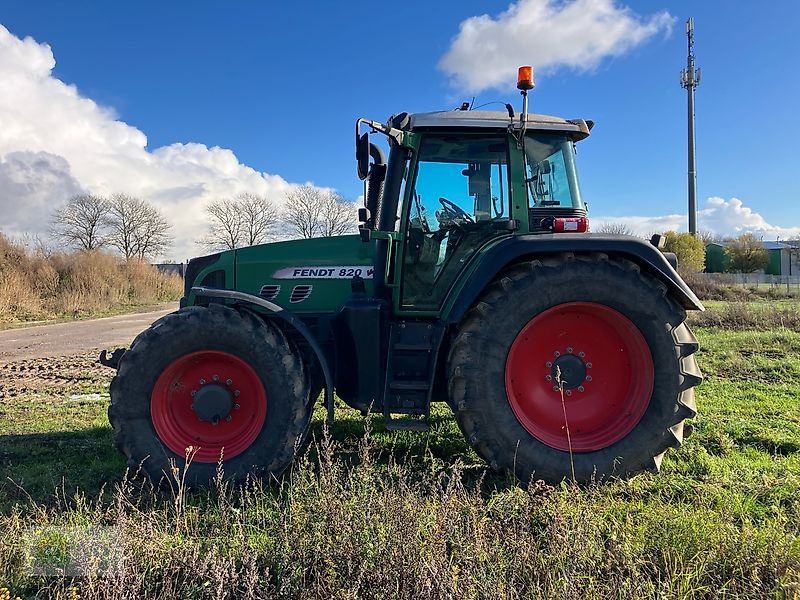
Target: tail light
[[570, 225]]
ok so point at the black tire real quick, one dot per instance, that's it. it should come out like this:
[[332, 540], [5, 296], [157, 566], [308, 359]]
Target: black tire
[[477, 363], [241, 334]]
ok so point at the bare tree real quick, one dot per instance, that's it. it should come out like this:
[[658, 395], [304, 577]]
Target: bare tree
[[259, 216], [303, 209], [153, 237], [707, 236], [81, 222], [615, 228], [337, 217], [246, 220], [313, 212], [136, 228], [125, 213], [225, 230]]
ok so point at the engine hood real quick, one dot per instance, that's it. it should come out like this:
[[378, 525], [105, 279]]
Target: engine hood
[[310, 275]]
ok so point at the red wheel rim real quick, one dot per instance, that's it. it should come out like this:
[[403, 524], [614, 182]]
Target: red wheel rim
[[230, 381], [609, 376]]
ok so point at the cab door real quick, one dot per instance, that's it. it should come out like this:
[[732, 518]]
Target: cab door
[[455, 204]]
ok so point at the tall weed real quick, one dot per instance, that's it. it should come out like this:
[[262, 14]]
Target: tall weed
[[383, 529], [34, 285], [748, 315]]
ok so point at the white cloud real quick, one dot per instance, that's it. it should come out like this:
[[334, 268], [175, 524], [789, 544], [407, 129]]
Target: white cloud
[[723, 217], [732, 217], [54, 142], [28, 183], [549, 34], [642, 226]]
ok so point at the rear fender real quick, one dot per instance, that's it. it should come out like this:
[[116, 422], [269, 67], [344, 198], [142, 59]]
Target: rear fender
[[511, 250]]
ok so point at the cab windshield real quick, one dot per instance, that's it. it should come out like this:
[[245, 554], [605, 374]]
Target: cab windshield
[[550, 172]]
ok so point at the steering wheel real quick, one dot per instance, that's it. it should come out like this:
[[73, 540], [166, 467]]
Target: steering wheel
[[455, 210]]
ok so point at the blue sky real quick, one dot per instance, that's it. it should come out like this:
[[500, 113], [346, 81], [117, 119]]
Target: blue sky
[[281, 83]]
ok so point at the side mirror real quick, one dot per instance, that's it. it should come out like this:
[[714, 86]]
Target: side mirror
[[362, 156]]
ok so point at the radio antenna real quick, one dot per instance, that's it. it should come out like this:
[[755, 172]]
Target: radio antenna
[[690, 79]]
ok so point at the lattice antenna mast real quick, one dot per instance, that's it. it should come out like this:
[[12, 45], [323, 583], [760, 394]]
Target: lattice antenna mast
[[690, 79]]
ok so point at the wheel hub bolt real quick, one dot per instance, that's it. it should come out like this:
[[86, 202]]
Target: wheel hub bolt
[[202, 382], [548, 364], [580, 388], [581, 354], [555, 388], [588, 378], [228, 418], [215, 378], [556, 353], [236, 407], [569, 349], [228, 382], [236, 393], [548, 377], [569, 392], [588, 365], [194, 392]]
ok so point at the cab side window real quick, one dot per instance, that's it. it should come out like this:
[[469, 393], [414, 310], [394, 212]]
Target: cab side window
[[550, 172]]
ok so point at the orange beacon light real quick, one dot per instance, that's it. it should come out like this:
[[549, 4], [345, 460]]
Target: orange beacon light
[[525, 78]]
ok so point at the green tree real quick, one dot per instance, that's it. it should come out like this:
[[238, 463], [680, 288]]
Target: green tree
[[746, 254], [690, 250]]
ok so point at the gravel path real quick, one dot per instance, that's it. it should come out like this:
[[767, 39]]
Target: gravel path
[[76, 337]]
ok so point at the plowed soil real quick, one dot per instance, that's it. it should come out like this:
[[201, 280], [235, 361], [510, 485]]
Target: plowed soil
[[59, 375]]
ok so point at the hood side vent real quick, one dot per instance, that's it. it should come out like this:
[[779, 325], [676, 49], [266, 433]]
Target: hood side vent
[[300, 293], [270, 292]]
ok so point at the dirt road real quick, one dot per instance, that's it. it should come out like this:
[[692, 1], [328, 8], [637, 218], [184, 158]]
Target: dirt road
[[77, 337]]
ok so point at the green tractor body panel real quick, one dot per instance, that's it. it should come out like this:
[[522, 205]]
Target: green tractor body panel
[[306, 276]]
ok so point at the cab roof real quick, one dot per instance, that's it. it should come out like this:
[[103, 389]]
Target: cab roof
[[578, 128]]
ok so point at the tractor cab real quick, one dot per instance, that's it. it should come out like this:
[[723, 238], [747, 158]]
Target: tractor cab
[[456, 182]]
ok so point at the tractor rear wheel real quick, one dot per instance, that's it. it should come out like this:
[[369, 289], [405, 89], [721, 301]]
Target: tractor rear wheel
[[575, 364], [214, 384]]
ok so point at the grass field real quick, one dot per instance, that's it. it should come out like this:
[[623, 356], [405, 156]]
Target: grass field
[[368, 513]]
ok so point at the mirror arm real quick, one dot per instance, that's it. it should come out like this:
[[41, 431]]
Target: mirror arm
[[390, 132]]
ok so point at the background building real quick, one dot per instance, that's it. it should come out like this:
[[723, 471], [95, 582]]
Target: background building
[[784, 258]]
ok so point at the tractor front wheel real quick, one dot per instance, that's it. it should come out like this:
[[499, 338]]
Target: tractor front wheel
[[215, 385], [575, 364]]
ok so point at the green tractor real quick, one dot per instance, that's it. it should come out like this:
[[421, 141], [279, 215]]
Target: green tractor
[[473, 281]]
